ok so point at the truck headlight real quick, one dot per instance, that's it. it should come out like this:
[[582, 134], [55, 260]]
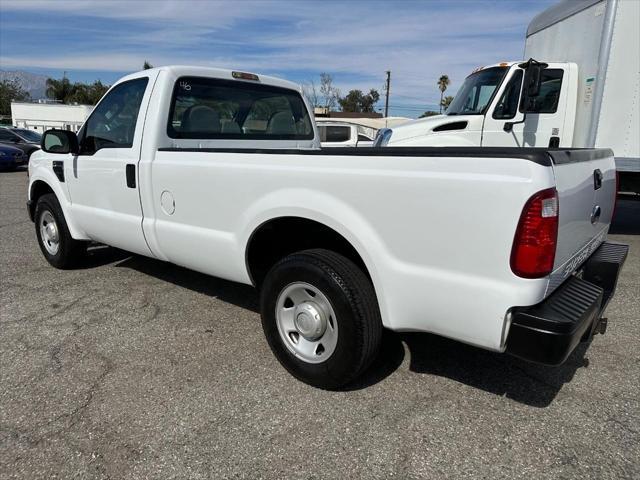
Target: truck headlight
[[383, 137]]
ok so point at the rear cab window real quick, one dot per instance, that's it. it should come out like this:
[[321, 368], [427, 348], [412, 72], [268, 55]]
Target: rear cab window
[[210, 108]]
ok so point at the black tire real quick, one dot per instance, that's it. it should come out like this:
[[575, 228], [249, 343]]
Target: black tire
[[354, 302], [69, 251]]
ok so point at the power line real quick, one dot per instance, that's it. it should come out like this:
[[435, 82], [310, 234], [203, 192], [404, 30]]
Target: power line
[[386, 102]]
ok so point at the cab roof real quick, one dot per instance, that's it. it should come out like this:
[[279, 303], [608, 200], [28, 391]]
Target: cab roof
[[211, 72]]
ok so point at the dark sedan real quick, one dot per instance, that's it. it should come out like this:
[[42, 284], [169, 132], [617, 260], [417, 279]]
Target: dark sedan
[[26, 140], [11, 157]]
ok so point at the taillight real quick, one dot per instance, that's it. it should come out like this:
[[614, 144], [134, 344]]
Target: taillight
[[534, 245]]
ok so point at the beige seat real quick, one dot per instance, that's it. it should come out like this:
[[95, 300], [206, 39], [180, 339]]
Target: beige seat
[[231, 127], [200, 118], [282, 123]]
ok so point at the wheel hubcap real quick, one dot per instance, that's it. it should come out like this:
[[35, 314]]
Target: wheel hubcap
[[310, 321], [49, 233], [306, 322]]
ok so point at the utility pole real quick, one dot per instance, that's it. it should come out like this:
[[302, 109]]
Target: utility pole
[[387, 88]]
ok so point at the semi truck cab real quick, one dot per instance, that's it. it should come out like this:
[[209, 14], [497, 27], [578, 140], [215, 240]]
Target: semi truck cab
[[587, 97], [490, 109]]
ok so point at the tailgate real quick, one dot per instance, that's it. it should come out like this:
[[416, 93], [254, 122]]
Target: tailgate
[[586, 185]]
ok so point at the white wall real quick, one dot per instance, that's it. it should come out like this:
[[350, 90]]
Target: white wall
[[43, 116], [619, 123]]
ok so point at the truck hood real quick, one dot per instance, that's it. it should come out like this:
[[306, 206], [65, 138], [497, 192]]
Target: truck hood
[[434, 125]]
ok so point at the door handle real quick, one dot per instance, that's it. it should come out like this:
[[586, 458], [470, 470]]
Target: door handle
[[597, 179], [131, 175]]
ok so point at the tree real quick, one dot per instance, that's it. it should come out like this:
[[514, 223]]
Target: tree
[[88, 94], [11, 90], [311, 94], [356, 101], [428, 113], [66, 92], [443, 83], [61, 90], [146, 65], [329, 93], [445, 102]]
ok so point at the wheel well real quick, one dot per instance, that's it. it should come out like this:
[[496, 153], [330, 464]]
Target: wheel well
[[277, 238], [38, 189]]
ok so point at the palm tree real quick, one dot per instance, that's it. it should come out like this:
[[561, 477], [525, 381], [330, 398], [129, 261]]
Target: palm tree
[[61, 90], [446, 101], [443, 83]]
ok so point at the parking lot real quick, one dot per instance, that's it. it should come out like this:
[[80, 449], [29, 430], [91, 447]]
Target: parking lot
[[133, 368]]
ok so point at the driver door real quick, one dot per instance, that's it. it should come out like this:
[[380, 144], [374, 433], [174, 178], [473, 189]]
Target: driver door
[[544, 122], [103, 178]]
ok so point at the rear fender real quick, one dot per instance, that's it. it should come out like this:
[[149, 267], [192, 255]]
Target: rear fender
[[329, 211]]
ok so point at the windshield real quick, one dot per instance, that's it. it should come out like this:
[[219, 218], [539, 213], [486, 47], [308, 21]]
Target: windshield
[[28, 135], [476, 92]]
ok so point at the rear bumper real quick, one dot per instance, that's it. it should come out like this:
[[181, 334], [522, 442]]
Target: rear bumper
[[548, 332]]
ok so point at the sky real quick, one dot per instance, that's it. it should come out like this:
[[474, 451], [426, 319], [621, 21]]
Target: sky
[[355, 41]]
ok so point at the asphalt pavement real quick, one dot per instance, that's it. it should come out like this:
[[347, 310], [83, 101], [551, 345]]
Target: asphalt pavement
[[132, 368]]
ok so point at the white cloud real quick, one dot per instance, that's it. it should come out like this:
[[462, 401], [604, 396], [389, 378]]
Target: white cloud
[[417, 41]]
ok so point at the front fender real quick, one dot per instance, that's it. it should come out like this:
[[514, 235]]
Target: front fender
[[329, 211], [46, 176]]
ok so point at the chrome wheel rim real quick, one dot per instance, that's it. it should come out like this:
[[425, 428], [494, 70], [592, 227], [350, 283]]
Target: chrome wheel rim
[[49, 233], [306, 322]]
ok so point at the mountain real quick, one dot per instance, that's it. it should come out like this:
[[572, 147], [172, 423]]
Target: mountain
[[33, 83]]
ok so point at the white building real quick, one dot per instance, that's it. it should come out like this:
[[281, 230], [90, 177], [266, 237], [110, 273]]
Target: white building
[[44, 116]]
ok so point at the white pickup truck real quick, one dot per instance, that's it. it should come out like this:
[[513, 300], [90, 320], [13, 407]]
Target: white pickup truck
[[222, 172]]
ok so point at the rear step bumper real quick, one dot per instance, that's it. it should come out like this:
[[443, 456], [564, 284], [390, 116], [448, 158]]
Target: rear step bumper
[[548, 332]]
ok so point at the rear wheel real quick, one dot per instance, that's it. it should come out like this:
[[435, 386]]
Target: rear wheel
[[55, 241], [321, 318]]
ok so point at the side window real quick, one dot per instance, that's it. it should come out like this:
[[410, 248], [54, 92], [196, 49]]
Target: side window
[[208, 108], [507, 106], [547, 101], [112, 123], [6, 135]]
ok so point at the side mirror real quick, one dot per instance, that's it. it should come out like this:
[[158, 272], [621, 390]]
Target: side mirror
[[530, 88], [532, 80], [60, 141]]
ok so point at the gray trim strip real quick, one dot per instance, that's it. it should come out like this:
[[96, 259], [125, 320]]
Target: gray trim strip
[[536, 155], [576, 155], [557, 13], [628, 164], [541, 156]]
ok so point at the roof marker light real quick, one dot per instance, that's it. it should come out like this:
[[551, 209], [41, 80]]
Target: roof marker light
[[245, 76]]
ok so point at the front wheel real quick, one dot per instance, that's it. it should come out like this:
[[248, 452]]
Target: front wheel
[[321, 317], [55, 241]]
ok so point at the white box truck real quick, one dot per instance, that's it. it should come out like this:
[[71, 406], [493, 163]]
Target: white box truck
[[588, 94]]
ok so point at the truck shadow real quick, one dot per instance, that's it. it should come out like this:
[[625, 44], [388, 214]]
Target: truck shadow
[[500, 374], [237, 294], [98, 255], [626, 220]]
